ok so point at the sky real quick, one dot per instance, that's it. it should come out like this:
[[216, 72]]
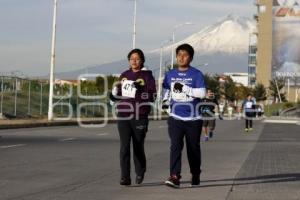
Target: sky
[[94, 32]]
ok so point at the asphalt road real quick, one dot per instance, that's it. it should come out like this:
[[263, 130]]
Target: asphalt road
[[72, 163]]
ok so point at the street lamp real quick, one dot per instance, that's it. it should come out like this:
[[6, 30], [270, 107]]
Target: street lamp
[[50, 108], [160, 69], [134, 25], [202, 65], [173, 39], [279, 96]]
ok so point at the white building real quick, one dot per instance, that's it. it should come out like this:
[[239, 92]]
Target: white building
[[241, 78]]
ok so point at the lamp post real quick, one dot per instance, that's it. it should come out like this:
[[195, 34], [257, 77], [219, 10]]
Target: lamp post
[[2, 88], [52, 65], [160, 71], [279, 96], [173, 39], [134, 25], [202, 65]]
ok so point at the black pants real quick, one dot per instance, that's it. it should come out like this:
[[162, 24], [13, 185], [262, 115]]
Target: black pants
[[191, 130], [249, 119], [134, 130], [249, 123]]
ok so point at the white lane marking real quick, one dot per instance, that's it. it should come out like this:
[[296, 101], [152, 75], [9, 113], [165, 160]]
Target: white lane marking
[[11, 146], [102, 134], [282, 121], [67, 139], [164, 126]]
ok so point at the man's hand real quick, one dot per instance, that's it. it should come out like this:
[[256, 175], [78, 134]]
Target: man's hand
[[178, 86], [210, 95]]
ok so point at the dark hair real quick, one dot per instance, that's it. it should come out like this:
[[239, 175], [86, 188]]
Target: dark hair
[[140, 53], [186, 47]]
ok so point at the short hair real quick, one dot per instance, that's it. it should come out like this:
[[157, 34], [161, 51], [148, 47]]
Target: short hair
[[186, 47], [140, 53]]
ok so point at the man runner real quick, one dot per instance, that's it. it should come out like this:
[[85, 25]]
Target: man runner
[[184, 87], [249, 108], [208, 112]]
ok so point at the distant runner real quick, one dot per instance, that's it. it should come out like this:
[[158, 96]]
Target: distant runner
[[208, 112], [249, 108]]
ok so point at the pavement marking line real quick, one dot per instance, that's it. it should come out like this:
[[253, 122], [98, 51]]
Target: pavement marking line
[[11, 146], [163, 126], [67, 139], [281, 121], [102, 134]]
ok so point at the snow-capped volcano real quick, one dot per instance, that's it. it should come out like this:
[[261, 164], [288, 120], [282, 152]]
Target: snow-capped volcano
[[223, 45], [230, 35]]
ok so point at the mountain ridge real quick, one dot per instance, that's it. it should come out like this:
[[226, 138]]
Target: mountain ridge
[[223, 45]]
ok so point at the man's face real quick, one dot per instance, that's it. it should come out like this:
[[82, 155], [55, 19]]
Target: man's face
[[183, 58]]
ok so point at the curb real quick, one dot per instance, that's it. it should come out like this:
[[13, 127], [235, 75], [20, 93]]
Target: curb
[[44, 123], [278, 121]]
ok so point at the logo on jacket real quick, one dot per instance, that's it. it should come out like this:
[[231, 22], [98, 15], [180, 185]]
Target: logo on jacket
[[140, 81]]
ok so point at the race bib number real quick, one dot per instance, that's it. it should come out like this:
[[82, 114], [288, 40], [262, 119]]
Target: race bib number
[[128, 89], [249, 104]]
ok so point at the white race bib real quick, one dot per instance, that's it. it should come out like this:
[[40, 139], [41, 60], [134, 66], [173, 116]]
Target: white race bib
[[178, 96], [249, 104], [128, 89]]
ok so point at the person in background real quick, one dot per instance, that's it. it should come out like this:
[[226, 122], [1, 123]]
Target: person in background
[[249, 109], [260, 111], [221, 109], [210, 103]]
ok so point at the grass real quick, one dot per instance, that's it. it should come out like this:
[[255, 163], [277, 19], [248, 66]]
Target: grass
[[275, 109]]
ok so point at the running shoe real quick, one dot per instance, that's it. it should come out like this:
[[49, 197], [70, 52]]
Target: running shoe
[[125, 181], [139, 179], [195, 180], [173, 181]]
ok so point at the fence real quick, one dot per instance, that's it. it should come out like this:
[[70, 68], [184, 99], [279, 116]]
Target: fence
[[28, 98]]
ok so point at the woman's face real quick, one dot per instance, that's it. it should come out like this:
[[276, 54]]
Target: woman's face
[[135, 61]]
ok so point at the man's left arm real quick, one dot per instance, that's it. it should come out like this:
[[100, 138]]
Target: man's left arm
[[199, 88]]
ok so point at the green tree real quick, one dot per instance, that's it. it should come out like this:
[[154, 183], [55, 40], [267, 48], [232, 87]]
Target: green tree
[[230, 89], [260, 92], [91, 88], [168, 67], [212, 83], [33, 84], [242, 92], [111, 80]]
